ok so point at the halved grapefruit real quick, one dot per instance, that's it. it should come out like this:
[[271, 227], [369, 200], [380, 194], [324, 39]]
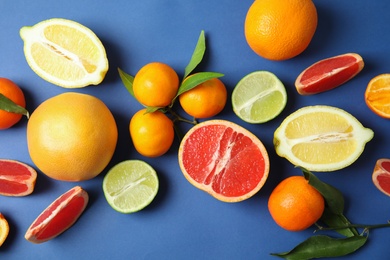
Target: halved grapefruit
[[16, 178], [58, 216], [381, 176], [329, 73], [224, 159]]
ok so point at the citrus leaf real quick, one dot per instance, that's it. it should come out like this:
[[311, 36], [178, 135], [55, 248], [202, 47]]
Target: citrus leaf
[[153, 109], [333, 197], [324, 246], [195, 80], [338, 220], [127, 80], [8, 105], [197, 55]]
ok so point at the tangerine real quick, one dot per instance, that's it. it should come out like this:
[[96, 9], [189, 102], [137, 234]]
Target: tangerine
[[72, 136], [280, 30], [155, 84], [152, 133], [11, 91], [295, 205], [205, 100]]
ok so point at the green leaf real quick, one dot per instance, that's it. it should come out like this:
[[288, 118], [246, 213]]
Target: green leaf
[[10, 106], [324, 246], [196, 79], [338, 220], [333, 197], [197, 55], [127, 80]]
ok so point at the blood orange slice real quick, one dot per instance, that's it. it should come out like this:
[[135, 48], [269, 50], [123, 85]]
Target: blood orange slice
[[224, 159], [329, 73], [16, 178], [58, 216], [381, 176]]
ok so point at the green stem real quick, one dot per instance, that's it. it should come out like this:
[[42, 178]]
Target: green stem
[[177, 117], [366, 227]]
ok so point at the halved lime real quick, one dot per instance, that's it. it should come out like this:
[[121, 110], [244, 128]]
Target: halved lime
[[259, 97], [130, 186]]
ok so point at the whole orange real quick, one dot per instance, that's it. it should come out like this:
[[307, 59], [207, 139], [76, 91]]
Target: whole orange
[[71, 136], [11, 91], [205, 100], [152, 133], [155, 84], [295, 205], [280, 29]]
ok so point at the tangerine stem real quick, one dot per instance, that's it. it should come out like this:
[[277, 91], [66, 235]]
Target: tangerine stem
[[366, 227], [177, 117]]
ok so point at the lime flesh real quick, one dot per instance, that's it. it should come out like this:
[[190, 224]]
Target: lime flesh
[[130, 186], [259, 97]]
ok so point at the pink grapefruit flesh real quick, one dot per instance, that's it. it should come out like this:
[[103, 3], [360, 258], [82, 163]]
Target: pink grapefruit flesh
[[381, 176], [58, 216], [224, 159], [329, 73], [16, 178]]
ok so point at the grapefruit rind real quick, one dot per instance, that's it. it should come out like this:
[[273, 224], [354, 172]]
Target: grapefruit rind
[[381, 176], [331, 75], [209, 183], [84, 65], [351, 131], [16, 179], [59, 216]]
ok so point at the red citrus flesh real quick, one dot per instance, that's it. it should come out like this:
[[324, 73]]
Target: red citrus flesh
[[381, 176], [329, 73], [16, 178], [58, 216], [224, 159]]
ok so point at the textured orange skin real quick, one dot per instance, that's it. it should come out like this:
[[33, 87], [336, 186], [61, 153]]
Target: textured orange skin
[[205, 100], [377, 95], [152, 133], [280, 29], [155, 84], [72, 136], [10, 90], [295, 205]]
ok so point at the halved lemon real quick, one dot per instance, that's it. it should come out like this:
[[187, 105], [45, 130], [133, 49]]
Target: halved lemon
[[4, 229], [65, 53], [321, 138]]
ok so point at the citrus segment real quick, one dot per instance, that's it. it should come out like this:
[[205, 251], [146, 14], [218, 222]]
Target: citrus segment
[[4, 229], [65, 53], [130, 186], [72, 136], [381, 176], [295, 205], [259, 97], [329, 73], [321, 138], [58, 216], [377, 95], [224, 159], [280, 30], [16, 178]]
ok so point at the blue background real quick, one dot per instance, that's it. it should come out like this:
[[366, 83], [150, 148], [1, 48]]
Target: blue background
[[184, 222]]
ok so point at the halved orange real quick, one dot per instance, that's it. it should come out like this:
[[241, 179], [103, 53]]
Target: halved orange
[[377, 95]]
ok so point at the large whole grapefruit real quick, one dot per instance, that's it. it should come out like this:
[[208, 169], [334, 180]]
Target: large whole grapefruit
[[72, 136], [224, 159]]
